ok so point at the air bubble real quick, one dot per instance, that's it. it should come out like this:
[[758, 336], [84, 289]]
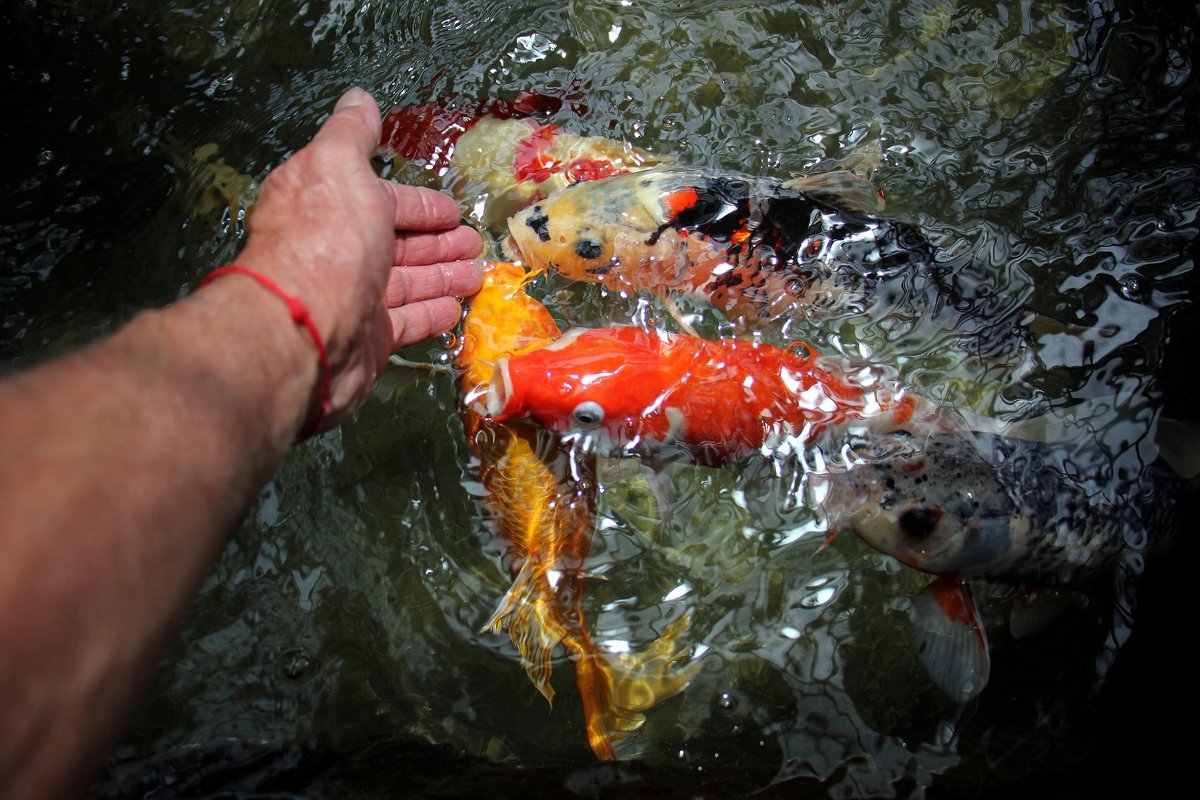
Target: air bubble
[[296, 664], [1131, 288]]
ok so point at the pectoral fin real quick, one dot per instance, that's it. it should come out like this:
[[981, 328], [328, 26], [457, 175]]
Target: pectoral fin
[[1179, 445], [950, 639]]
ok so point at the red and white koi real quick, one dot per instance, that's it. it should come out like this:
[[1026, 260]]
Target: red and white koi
[[495, 158]]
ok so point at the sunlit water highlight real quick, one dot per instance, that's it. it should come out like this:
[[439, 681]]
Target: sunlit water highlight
[[1048, 153]]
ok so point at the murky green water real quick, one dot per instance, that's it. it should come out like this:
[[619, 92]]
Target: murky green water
[[1049, 149]]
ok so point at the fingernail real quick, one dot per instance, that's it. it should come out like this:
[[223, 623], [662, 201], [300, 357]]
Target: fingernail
[[352, 97]]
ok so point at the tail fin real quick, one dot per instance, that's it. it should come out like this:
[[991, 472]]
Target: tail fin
[[527, 609], [617, 689]]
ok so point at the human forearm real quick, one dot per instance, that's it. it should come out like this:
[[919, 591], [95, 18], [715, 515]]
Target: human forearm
[[124, 467]]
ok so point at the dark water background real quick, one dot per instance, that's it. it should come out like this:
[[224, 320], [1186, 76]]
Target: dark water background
[[334, 649]]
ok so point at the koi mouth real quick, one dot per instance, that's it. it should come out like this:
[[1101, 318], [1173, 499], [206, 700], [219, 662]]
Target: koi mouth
[[510, 248]]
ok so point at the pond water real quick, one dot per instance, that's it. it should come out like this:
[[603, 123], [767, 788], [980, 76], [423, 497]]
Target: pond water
[[1047, 150]]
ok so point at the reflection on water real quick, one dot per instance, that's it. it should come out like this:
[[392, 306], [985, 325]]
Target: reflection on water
[[1045, 150]]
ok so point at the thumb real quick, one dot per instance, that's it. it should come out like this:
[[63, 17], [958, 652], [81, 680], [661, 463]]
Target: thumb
[[355, 120]]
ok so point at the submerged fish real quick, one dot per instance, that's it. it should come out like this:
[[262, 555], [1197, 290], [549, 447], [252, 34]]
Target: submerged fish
[[540, 498], [428, 134], [973, 507], [496, 159], [753, 248], [718, 401]]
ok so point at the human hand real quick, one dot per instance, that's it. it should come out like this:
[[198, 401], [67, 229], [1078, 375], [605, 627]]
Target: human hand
[[379, 265]]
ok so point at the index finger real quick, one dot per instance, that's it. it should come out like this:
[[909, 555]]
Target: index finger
[[422, 209]]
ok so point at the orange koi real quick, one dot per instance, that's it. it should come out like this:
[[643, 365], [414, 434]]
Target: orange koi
[[718, 401], [540, 500]]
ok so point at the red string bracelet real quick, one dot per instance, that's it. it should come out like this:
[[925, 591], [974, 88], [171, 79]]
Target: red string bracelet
[[301, 317]]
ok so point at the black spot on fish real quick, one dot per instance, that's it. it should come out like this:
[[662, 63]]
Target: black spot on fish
[[587, 248], [919, 522], [601, 270], [537, 220]]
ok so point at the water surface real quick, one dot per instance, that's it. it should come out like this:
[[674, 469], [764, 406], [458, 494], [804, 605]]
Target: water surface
[[1048, 150]]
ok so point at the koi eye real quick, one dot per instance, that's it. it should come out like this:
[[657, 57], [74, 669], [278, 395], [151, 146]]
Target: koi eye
[[589, 414], [588, 249], [920, 522]]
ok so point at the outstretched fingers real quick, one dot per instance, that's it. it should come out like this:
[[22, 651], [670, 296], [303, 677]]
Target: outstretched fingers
[[452, 279], [434, 264], [419, 208], [432, 248], [415, 322]]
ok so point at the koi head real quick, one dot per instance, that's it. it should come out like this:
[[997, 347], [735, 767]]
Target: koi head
[[941, 508], [604, 228], [501, 319]]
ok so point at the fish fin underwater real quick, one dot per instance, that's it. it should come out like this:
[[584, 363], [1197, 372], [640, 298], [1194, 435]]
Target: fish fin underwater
[[618, 688], [950, 640], [840, 187], [630, 480], [1035, 610], [615, 689], [526, 610], [846, 182], [1179, 445]]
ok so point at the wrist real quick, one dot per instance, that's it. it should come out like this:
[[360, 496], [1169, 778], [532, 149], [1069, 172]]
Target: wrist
[[250, 358], [301, 317]]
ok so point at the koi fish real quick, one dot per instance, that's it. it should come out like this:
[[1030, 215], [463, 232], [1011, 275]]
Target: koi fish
[[754, 249], [974, 507], [427, 134], [495, 158], [717, 401], [541, 501]]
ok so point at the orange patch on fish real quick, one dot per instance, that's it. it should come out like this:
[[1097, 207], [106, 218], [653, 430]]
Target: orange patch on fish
[[681, 201]]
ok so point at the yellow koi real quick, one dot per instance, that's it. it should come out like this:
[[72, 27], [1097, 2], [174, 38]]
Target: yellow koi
[[541, 501]]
